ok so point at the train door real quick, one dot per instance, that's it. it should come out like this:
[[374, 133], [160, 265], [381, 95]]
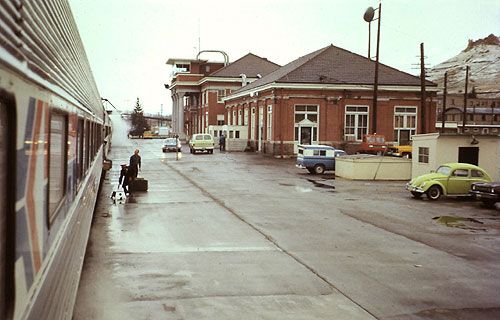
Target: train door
[[7, 198]]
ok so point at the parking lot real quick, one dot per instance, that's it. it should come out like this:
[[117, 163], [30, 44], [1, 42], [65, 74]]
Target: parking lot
[[241, 235]]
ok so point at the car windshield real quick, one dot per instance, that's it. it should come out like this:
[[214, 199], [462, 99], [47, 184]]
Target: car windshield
[[170, 141], [375, 139], [444, 170]]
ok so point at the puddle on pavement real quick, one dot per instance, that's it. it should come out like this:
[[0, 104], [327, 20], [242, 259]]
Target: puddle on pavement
[[458, 222], [302, 189], [131, 200], [316, 183], [319, 184], [286, 184]]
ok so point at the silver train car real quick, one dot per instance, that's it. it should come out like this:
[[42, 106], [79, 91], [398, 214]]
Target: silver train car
[[53, 133]]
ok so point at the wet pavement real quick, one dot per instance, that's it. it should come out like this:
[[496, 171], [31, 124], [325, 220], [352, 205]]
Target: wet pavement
[[242, 236]]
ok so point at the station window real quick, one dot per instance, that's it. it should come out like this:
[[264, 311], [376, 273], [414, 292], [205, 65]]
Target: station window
[[356, 122], [221, 94], [182, 67], [57, 161], [405, 124], [423, 154], [269, 122]]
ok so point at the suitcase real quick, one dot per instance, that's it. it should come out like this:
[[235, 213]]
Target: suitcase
[[138, 184]]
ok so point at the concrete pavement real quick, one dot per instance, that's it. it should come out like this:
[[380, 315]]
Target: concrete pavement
[[241, 236]]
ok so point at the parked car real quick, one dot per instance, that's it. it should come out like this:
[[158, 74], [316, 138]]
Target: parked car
[[487, 192], [403, 151], [171, 144], [450, 179], [201, 142], [317, 158], [135, 133], [373, 144]]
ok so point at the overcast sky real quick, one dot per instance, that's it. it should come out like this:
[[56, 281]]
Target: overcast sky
[[129, 41]]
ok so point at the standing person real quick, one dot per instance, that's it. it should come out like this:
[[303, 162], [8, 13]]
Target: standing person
[[135, 163], [126, 175], [222, 142]]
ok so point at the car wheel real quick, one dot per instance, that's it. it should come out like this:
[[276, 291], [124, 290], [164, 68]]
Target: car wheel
[[434, 192], [319, 169], [416, 195]]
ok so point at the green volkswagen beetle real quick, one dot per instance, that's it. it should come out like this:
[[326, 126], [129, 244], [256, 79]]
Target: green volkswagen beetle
[[450, 179]]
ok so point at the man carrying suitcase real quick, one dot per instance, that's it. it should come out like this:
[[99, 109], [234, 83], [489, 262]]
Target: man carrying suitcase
[[135, 163], [136, 183]]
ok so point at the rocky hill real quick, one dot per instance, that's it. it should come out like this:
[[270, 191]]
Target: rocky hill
[[483, 58]]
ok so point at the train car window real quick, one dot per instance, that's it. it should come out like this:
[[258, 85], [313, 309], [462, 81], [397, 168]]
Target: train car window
[[80, 149], [93, 140], [87, 144], [99, 137], [7, 214], [57, 162], [72, 149]]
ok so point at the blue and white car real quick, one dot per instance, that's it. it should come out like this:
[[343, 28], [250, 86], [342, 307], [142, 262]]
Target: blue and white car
[[171, 144], [317, 158]]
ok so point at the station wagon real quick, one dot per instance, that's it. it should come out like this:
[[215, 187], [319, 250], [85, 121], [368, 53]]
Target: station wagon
[[317, 158], [201, 142]]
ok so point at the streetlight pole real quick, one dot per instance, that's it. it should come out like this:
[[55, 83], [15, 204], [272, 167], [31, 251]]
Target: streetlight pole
[[368, 17]]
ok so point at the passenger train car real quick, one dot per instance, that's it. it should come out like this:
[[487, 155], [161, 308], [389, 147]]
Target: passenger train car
[[53, 133]]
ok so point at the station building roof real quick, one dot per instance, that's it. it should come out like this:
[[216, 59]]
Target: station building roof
[[334, 65], [251, 65]]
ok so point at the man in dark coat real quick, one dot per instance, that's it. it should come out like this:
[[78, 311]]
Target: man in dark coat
[[135, 163], [126, 175], [222, 142]]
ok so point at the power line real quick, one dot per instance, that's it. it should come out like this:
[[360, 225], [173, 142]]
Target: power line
[[474, 73]]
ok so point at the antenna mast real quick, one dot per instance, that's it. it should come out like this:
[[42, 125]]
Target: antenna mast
[[199, 37]]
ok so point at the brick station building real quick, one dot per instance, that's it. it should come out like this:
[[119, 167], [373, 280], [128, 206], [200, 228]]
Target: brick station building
[[198, 87], [326, 97]]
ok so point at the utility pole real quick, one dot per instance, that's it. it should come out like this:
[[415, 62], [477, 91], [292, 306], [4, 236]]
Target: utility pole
[[369, 39], [443, 112], [161, 114], [375, 85], [465, 98], [422, 91]]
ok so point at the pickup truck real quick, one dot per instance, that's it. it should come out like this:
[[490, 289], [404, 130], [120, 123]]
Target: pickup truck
[[373, 143], [400, 151]]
